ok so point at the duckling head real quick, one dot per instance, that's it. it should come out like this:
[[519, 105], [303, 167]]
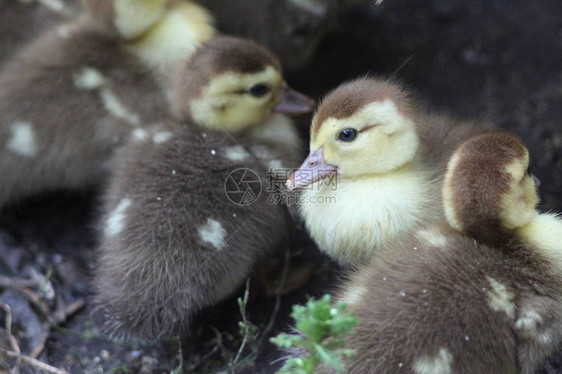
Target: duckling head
[[233, 84], [364, 128], [126, 18], [489, 190]]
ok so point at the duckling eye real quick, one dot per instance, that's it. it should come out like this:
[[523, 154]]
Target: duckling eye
[[259, 90], [347, 135]]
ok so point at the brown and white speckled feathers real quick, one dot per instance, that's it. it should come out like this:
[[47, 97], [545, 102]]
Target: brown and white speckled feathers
[[21, 21], [173, 243], [388, 175], [441, 301], [66, 102], [493, 169], [72, 96], [437, 303]]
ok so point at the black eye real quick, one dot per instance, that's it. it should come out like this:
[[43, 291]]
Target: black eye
[[347, 135], [259, 90]]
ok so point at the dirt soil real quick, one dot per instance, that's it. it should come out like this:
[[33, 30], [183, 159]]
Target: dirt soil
[[499, 61]]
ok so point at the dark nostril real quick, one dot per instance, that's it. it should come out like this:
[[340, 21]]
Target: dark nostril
[[312, 163]]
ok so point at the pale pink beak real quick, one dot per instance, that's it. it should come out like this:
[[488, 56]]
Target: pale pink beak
[[313, 169], [293, 102]]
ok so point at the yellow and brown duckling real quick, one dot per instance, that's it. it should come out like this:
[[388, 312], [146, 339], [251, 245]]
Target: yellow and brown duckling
[[72, 96], [368, 150], [482, 294], [126, 19], [160, 33], [177, 236]]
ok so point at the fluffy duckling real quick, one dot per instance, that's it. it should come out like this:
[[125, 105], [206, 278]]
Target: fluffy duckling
[[125, 19], [180, 233], [161, 33], [71, 97], [483, 297], [367, 168]]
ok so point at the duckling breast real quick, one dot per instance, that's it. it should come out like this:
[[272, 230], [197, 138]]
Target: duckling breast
[[351, 218]]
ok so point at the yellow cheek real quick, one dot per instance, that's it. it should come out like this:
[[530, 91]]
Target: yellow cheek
[[331, 156], [518, 205], [134, 19], [531, 195], [238, 117], [518, 168]]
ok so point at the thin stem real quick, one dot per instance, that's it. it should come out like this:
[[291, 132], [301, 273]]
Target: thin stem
[[277, 306]]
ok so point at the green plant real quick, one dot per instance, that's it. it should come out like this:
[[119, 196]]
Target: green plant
[[248, 331], [322, 328]]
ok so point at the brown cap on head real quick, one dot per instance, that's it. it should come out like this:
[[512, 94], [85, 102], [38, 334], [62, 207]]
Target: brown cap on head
[[481, 174], [228, 53], [220, 55], [348, 98]]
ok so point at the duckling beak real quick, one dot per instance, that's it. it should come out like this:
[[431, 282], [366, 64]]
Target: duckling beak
[[313, 169], [293, 102]]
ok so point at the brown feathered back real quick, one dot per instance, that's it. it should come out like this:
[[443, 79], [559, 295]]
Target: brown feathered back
[[79, 95], [423, 308], [181, 244]]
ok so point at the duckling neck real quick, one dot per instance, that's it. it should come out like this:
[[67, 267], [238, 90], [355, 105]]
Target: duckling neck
[[356, 216], [277, 128], [174, 38], [544, 235]]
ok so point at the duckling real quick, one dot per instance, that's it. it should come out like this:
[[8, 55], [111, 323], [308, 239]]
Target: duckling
[[480, 294], [125, 19], [378, 161], [72, 96], [186, 213], [160, 33]]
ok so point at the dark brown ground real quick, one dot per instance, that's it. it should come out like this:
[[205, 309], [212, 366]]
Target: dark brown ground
[[497, 60]]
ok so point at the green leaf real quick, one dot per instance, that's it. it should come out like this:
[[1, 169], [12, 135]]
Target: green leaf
[[330, 358], [323, 328]]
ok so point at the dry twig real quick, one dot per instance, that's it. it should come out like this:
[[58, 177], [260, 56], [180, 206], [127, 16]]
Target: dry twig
[[34, 362], [13, 342]]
